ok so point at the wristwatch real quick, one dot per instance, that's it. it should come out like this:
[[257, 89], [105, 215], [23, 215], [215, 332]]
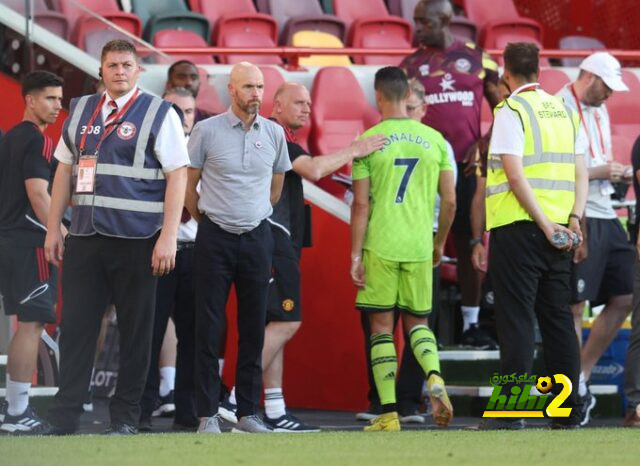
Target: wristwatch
[[474, 241]]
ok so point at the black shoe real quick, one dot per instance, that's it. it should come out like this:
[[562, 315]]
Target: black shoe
[[227, 410], [3, 410], [121, 429], [476, 337], [27, 423], [165, 406], [557, 424], [188, 426], [289, 423], [587, 403], [145, 424], [501, 423]]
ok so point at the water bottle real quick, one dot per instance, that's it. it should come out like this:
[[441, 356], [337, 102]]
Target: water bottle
[[561, 239]]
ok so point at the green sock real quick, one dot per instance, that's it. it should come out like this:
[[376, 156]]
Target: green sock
[[425, 348], [384, 364]]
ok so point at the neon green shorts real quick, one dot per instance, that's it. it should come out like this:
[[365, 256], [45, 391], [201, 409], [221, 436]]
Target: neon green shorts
[[389, 284]]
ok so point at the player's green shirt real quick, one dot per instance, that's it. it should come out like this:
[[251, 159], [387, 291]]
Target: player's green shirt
[[404, 178]]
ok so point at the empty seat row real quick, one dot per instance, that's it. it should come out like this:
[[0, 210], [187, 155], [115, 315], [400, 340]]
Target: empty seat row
[[241, 23]]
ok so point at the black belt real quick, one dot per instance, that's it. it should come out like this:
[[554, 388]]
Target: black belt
[[184, 245]]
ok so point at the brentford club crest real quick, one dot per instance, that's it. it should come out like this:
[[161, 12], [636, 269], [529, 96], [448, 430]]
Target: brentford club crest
[[126, 130]]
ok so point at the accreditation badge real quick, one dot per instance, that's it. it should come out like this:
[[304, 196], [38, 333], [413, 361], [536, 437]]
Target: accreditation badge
[[86, 173]]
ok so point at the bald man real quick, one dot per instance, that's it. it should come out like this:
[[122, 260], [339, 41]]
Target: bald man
[[240, 159], [292, 106]]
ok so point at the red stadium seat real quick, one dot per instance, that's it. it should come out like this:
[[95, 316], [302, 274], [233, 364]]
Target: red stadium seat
[[94, 40], [463, 29], [237, 24], [623, 108], [273, 79], [499, 35], [208, 99], [82, 23], [339, 114], [247, 33], [182, 38], [500, 23], [370, 25], [52, 21], [552, 79], [301, 15]]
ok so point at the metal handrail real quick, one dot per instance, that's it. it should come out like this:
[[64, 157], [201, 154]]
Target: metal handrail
[[293, 54]]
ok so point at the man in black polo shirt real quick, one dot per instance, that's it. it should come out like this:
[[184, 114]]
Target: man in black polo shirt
[[27, 282], [292, 106]]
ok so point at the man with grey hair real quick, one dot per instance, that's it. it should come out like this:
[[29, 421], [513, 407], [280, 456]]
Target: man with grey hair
[[240, 159]]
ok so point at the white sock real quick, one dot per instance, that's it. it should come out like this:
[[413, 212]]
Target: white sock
[[17, 396], [469, 316], [220, 366], [274, 403], [232, 396], [167, 379], [582, 385]]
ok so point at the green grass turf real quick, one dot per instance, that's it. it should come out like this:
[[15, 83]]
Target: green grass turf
[[435, 448]]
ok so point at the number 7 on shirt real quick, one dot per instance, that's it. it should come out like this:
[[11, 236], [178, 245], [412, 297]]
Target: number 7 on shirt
[[410, 164]]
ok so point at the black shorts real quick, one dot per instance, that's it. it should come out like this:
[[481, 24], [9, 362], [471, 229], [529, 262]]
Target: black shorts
[[283, 304], [465, 189], [27, 283], [608, 269]]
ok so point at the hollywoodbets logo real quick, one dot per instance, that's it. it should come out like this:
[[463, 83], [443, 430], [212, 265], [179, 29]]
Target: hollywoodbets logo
[[520, 402]]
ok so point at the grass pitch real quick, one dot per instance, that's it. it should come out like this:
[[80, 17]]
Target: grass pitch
[[539, 447]]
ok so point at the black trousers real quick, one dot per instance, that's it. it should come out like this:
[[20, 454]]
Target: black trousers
[[223, 259], [531, 280], [98, 270], [175, 296], [411, 376]]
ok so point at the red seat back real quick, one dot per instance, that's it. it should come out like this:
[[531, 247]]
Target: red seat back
[[623, 108], [83, 23], [351, 10], [272, 81], [339, 114], [481, 13], [381, 34], [208, 99], [552, 79], [248, 32], [182, 38]]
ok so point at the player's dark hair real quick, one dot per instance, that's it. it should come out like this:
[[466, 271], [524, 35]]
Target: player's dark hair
[[522, 59], [392, 82], [38, 80]]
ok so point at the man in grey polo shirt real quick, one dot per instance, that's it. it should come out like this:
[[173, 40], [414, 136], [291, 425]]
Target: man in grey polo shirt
[[240, 159]]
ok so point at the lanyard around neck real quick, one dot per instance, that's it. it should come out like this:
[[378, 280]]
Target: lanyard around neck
[[112, 126], [586, 128]]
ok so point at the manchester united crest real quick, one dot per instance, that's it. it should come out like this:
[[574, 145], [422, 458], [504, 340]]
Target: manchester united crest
[[126, 130], [288, 305]]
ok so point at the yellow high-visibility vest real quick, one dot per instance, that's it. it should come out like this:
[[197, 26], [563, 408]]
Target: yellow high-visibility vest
[[549, 161]]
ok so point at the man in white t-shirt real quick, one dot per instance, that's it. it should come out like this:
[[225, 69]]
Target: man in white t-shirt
[[603, 265]]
